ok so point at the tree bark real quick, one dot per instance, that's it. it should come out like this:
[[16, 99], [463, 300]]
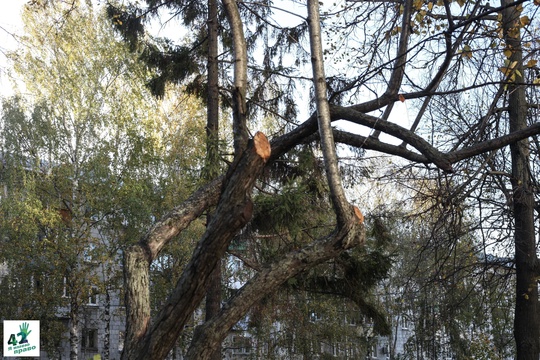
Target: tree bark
[[396, 78], [212, 117], [213, 295], [267, 280], [74, 325], [107, 320], [137, 260], [233, 212], [240, 131], [526, 325], [339, 201]]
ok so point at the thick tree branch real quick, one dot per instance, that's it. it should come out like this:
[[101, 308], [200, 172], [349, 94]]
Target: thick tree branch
[[240, 130], [494, 144], [180, 217], [452, 156], [337, 194], [137, 259], [396, 77], [371, 143], [284, 143], [267, 280], [411, 138], [233, 211]]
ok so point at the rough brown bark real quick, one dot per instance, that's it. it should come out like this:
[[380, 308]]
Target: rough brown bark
[[137, 260], [212, 115], [213, 295], [267, 280], [526, 324], [213, 304], [232, 213]]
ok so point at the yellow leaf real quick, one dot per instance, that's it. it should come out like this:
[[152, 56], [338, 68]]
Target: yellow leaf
[[507, 53], [401, 98], [524, 20], [430, 6], [467, 52], [531, 63]]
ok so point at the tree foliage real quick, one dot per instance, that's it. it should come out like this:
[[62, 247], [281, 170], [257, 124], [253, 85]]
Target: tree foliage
[[420, 54], [461, 72], [81, 147]]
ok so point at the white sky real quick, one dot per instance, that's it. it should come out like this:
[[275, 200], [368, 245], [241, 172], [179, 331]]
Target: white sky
[[10, 23]]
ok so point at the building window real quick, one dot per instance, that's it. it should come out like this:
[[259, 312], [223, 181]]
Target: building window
[[372, 352], [354, 320], [93, 298], [64, 288], [314, 316], [335, 350], [241, 345], [90, 339], [404, 323], [121, 337]]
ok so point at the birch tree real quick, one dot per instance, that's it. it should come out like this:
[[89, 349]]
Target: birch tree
[[72, 134]]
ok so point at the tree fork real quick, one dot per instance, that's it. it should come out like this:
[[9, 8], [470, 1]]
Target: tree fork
[[232, 213], [211, 334]]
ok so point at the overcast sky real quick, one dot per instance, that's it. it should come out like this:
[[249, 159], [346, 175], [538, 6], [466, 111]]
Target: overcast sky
[[10, 23]]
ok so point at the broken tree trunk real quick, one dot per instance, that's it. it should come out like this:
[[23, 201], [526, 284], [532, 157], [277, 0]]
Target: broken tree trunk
[[234, 210]]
